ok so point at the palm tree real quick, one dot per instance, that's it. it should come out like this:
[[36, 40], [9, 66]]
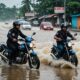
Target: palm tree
[[25, 7]]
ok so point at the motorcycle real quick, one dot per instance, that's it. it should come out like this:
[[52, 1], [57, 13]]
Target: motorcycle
[[26, 53], [68, 55]]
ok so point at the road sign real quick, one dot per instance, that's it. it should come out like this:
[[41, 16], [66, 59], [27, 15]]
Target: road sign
[[59, 9]]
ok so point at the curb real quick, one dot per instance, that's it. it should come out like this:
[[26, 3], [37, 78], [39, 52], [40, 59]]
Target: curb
[[76, 30]]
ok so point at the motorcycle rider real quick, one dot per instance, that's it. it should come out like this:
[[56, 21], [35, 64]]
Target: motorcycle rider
[[12, 41], [60, 37]]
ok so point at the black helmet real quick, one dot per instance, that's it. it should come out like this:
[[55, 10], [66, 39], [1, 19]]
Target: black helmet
[[63, 26], [16, 23]]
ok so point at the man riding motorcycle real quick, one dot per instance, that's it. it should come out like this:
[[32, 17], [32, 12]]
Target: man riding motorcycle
[[12, 41], [60, 37]]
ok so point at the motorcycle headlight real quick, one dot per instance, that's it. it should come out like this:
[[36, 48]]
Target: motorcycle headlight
[[31, 45], [69, 44]]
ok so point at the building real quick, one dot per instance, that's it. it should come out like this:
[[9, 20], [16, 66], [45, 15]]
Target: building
[[29, 15], [55, 19], [76, 21]]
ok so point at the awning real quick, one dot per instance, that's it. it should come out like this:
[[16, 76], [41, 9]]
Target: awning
[[51, 15], [48, 16], [42, 17], [75, 15], [32, 18]]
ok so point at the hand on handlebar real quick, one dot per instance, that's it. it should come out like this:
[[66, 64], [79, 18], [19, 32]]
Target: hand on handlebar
[[15, 40], [21, 40], [59, 39]]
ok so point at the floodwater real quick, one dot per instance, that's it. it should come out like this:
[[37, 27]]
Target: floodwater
[[18, 73], [46, 72]]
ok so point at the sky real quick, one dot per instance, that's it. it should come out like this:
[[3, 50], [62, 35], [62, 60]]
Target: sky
[[10, 3]]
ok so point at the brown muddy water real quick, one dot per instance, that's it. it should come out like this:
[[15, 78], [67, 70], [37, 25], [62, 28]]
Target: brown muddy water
[[44, 73]]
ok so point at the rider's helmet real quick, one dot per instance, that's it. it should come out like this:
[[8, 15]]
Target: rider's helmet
[[16, 23], [63, 27]]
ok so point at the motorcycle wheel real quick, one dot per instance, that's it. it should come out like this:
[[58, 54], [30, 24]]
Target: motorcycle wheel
[[4, 57], [34, 62], [74, 60], [54, 52]]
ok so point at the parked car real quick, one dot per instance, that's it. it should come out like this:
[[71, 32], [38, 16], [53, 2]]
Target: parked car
[[20, 20], [35, 23], [26, 25], [46, 26]]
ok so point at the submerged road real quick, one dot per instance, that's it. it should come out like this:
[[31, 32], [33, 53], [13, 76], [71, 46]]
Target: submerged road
[[45, 72]]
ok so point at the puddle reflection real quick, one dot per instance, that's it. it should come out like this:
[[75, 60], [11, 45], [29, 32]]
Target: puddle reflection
[[18, 73]]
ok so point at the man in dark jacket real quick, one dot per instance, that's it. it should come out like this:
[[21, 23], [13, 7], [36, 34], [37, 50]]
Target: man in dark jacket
[[12, 41], [60, 37]]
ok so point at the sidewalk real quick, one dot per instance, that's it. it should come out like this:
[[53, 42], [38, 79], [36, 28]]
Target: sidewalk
[[76, 30]]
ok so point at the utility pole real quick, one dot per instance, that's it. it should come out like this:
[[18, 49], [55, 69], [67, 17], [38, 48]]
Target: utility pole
[[64, 12]]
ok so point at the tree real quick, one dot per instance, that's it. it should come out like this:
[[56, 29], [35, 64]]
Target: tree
[[25, 7], [14, 10], [47, 6], [73, 7], [2, 8], [7, 13], [44, 7]]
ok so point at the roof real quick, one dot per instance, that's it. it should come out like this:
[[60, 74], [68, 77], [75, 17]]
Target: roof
[[75, 15], [42, 17], [48, 16], [30, 14], [32, 18], [51, 15]]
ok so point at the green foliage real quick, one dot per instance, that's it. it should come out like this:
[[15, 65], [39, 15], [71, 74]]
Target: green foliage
[[44, 7], [73, 7], [47, 6], [25, 7], [7, 13]]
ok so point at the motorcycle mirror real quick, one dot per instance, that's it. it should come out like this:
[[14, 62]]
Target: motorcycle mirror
[[75, 34], [34, 33]]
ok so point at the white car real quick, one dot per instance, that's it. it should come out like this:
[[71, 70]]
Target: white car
[[26, 25]]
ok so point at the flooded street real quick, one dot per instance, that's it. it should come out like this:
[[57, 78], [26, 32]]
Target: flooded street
[[19, 73], [44, 41], [44, 73]]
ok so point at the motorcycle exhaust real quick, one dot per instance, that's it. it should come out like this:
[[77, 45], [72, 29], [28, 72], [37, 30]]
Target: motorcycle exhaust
[[53, 56], [3, 56]]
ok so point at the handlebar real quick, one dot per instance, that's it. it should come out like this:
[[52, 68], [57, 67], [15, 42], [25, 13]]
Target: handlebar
[[68, 40], [21, 39], [27, 36], [25, 39]]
